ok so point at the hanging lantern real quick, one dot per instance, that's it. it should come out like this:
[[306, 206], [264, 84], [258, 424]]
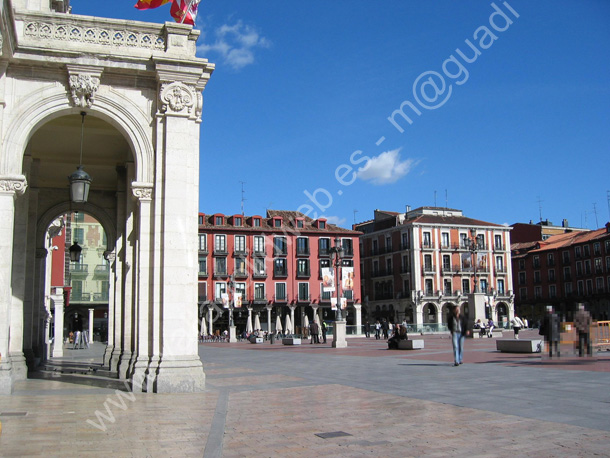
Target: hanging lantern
[[80, 181]]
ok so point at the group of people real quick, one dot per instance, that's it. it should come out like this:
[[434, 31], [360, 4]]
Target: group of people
[[315, 330], [485, 329], [400, 333], [550, 329]]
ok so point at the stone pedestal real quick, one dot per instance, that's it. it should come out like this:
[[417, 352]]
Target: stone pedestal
[[232, 334], [180, 375], [476, 307], [339, 333]]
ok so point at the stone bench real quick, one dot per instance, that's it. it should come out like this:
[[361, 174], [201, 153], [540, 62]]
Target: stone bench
[[476, 333], [256, 340], [519, 345], [411, 344], [291, 341]]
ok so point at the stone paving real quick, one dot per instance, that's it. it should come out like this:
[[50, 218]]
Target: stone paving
[[312, 400]]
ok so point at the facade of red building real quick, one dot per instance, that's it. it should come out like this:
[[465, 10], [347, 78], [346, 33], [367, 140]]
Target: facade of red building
[[563, 270], [274, 264], [415, 265]]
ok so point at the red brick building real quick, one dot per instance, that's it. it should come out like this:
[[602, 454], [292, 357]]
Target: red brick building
[[275, 264], [417, 264], [562, 271]]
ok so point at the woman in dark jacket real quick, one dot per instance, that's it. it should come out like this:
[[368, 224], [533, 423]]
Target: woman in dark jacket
[[458, 326]]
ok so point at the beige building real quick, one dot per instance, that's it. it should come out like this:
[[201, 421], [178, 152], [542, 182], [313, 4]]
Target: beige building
[[139, 86]]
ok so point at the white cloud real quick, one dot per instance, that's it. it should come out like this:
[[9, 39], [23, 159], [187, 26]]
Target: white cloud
[[335, 220], [235, 44], [386, 168]]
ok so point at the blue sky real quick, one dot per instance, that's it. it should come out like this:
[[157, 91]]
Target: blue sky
[[302, 92]]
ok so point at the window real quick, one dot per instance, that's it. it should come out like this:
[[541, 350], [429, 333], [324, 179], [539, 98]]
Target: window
[[552, 291], [607, 243], [220, 266], [568, 288], [347, 247], [551, 274], [501, 290], [597, 249], [429, 288], [538, 292], [203, 242], [388, 266], [523, 294], [302, 246], [537, 276], [375, 268], [256, 222], [220, 244], [599, 284], [522, 278], [240, 243], [498, 242], [599, 267], [78, 235], [521, 264], [499, 263], [200, 219], [567, 274], [259, 292], [218, 221], [587, 266], [279, 246], [280, 292], [580, 285], [466, 286], [240, 288], [405, 240], [464, 241], [406, 288], [577, 252], [445, 239], [388, 244], [536, 262], [589, 286], [302, 267], [428, 263], [375, 248], [483, 285], [347, 263], [300, 223], [427, 241], [259, 266], [277, 222], [324, 246], [578, 268], [446, 263], [259, 244], [566, 257], [203, 265], [220, 289], [321, 224], [586, 252], [324, 295], [240, 267], [607, 263], [237, 221], [447, 287], [550, 259], [324, 263], [280, 268], [304, 291], [481, 242], [405, 264]]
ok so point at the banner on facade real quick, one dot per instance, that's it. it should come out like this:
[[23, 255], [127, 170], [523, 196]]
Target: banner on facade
[[237, 300], [224, 297], [482, 262], [347, 278], [466, 261], [333, 303], [328, 279], [343, 303]]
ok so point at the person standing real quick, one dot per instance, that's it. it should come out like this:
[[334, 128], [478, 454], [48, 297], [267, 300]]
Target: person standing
[[313, 330], [385, 327], [550, 329], [323, 327], [377, 330], [458, 326], [367, 329], [517, 325], [582, 323]]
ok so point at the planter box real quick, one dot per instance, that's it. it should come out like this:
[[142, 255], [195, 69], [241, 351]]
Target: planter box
[[519, 345], [411, 344], [291, 341]]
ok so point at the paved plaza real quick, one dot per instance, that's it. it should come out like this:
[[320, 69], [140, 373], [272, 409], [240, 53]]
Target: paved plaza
[[312, 400]]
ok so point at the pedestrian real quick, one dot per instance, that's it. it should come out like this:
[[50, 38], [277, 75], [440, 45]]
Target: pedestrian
[[367, 329], [323, 327], [384, 328], [313, 330], [582, 323], [517, 325], [377, 330], [458, 326], [550, 329], [525, 322]]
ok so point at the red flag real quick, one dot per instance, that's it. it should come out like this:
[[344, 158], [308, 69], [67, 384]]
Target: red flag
[[148, 4], [184, 11]]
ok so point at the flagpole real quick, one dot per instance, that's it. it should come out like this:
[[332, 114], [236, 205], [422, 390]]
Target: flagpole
[[188, 9]]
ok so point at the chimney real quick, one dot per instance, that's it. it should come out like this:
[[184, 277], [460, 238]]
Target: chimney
[[564, 223], [408, 208]]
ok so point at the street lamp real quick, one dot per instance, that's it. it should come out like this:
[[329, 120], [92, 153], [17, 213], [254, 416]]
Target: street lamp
[[80, 181], [471, 245], [231, 286], [336, 255]]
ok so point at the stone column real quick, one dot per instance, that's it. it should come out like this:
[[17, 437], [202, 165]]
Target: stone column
[[58, 323], [269, 330], [210, 322], [10, 187], [180, 368], [91, 326], [358, 308], [292, 308], [419, 316], [143, 192], [110, 257]]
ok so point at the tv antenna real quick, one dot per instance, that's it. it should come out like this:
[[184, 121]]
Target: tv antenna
[[242, 197]]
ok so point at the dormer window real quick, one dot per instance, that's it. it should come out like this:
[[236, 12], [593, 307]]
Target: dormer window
[[218, 220], [300, 223], [237, 221], [321, 223], [256, 222], [277, 222]]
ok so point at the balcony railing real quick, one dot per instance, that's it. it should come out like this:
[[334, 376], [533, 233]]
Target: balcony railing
[[79, 268], [280, 298], [260, 252], [280, 272], [304, 298], [259, 274], [102, 269], [260, 298], [99, 297], [382, 273], [80, 297], [303, 273], [241, 273], [428, 269], [302, 251], [220, 252]]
